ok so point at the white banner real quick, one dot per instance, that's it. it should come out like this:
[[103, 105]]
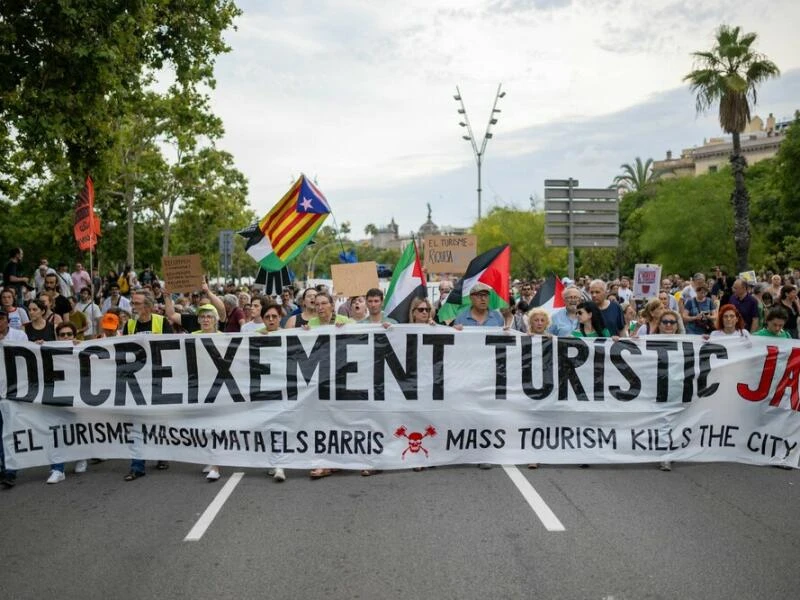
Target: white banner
[[365, 397]]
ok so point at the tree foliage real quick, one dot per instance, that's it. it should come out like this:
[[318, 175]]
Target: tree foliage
[[729, 74], [634, 177], [524, 231]]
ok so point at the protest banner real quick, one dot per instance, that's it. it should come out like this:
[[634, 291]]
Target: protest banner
[[183, 273], [646, 281], [354, 279], [448, 253], [367, 397]]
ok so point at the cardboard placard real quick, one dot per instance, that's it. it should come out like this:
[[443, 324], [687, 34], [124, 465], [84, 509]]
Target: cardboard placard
[[448, 253], [354, 279], [183, 273], [748, 277], [646, 281]]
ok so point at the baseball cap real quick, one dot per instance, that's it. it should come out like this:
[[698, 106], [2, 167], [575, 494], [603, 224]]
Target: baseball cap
[[208, 308], [109, 321], [479, 287]]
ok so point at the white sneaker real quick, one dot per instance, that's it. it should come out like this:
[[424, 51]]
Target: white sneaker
[[80, 466], [665, 465], [279, 475], [56, 477], [213, 474]]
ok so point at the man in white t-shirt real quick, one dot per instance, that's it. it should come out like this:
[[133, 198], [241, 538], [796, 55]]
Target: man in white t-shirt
[[90, 309], [624, 292]]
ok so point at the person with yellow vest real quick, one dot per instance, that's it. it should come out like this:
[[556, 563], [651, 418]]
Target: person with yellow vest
[[146, 322]]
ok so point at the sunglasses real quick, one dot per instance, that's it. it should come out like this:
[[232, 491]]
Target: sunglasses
[[422, 309], [668, 322], [65, 334]]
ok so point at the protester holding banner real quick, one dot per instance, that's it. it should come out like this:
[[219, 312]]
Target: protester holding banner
[[478, 314], [538, 321], [590, 322], [109, 325], [670, 323], [308, 301], [39, 330], [375, 314], [358, 308], [565, 320], [148, 323], [651, 315], [208, 318], [775, 322], [729, 323], [271, 317], [325, 315], [65, 332], [420, 312]]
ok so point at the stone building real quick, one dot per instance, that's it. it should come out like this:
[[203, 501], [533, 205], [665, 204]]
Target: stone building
[[759, 141]]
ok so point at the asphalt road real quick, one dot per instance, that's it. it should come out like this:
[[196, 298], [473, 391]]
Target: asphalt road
[[702, 531]]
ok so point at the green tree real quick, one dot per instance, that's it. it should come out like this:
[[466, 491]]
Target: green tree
[[729, 74], [70, 67], [634, 177], [524, 231]]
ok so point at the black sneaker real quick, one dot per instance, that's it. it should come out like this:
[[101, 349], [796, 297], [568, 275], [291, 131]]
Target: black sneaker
[[8, 481], [162, 465]]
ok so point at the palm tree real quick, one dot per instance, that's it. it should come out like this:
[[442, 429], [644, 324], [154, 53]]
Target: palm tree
[[730, 74], [635, 177]]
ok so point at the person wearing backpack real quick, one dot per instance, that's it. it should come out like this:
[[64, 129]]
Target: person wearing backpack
[[699, 313]]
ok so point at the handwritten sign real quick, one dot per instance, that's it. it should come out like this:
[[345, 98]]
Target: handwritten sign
[[354, 279], [182, 273], [449, 253]]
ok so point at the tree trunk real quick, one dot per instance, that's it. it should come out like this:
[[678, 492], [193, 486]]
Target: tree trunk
[[165, 241], [129, 207], [740, 200]]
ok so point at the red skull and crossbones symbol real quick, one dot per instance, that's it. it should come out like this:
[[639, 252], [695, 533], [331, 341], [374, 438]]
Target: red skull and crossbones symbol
[[415, 439]]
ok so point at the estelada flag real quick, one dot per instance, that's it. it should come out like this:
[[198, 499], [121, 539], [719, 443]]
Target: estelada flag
[[491, 268], [288, 228], [87, 224]]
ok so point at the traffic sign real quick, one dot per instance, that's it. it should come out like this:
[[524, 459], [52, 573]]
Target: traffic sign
[[561, 183]]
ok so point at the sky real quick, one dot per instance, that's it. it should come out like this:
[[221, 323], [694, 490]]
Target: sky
[[359, 95]]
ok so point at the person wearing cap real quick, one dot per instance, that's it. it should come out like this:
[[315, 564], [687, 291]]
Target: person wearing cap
[[479, 314], [109, 325], [186, 320]]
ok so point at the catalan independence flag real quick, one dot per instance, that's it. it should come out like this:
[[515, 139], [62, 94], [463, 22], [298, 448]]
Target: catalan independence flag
[[285, 230]]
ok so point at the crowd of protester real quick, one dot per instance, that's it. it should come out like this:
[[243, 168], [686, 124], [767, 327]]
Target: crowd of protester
[[59, 305]]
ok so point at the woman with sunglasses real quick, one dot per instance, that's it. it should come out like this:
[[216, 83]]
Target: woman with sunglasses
[[208, 318], [670, 324], [420, 312], [590, 321]]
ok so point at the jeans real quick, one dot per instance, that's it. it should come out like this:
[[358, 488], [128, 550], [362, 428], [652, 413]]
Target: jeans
[[57, 467], [137, 465]]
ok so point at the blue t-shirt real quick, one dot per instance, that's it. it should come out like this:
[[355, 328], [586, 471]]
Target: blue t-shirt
[[493, 319]]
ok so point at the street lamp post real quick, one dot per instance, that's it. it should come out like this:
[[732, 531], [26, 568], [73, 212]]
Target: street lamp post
[[470, 137]]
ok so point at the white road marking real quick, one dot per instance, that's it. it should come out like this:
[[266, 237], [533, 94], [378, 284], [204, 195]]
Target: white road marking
[[532, 497], [216, 505]]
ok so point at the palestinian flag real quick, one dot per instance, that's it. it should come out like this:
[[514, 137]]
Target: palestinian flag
[[408, 282], [549, 295], [493, 268]]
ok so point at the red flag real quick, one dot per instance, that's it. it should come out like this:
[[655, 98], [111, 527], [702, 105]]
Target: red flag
[[87, 224]]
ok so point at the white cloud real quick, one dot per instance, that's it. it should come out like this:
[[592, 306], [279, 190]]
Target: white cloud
[[360, 93]]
